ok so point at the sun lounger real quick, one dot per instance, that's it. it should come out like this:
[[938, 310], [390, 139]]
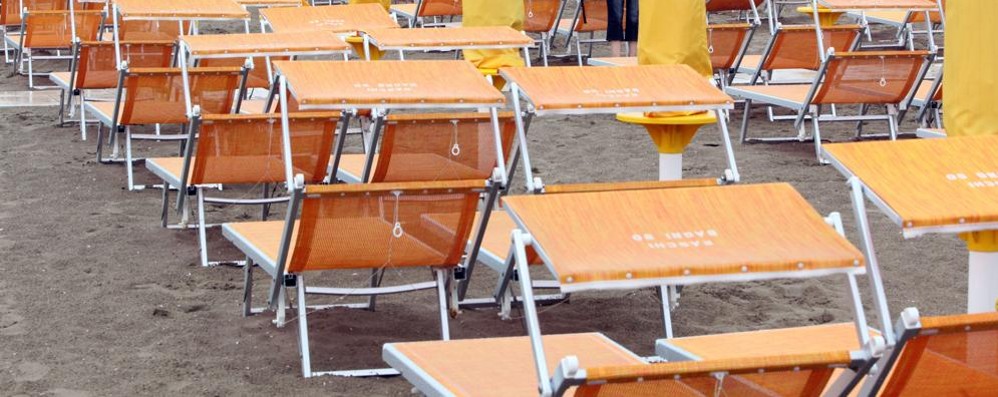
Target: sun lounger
[[541, 18], [151, 20], [939, 356], [94, 68], [418, 12], [374, 227], [793, 48], [589, 18], [907, 180], [644, 245], [50, 31], [226, 150], [163, 96], [871, 78], [10, 17]]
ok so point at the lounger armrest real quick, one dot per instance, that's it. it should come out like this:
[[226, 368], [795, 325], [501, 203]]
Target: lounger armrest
[[567, 374]]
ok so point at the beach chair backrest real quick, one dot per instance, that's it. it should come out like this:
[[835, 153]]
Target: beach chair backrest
[[541, 15], [592, 17], [54, 29], [871, 77], [800, 375], [726, 43], [945, 356], [257, 78], [440, 147], [150, 30], [247, 149], [96, 68], [384, 225], [157, 95], [439, 8], [10, 11], [796, 47], [732, 5]]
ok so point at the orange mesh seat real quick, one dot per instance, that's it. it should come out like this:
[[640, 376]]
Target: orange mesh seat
[[258, 77], [369, 226], [245, 150], [796, 47], [10, 11], [870, 78], [540, 19], [158, 96], [940, 356], [433, 147]]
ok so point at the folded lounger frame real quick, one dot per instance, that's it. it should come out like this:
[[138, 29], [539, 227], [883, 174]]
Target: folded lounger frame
[[939, 356], [541, 19], [150, 96], [52, 31], [321, 233], [929, 100], [864, 78], [93, 68], [589, 17], [636, 230], [229, 149]]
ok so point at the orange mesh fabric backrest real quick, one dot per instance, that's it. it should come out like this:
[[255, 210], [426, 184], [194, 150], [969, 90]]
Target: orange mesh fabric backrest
[[803, 375], [96, 68], [593, 17], [157, 95], [150, 30], [10, 11], [258, 77], [731, 5], [541, 15], [870, 77], [384, 225], [725, 44], [949, 356], [796, 47], [438, 147], [54, 29], [247, 149], [440, 8]]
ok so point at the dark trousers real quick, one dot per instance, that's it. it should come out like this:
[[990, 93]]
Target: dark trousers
[[622, 27]]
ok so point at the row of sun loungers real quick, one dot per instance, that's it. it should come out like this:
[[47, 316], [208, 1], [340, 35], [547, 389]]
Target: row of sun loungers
[[441, 142]]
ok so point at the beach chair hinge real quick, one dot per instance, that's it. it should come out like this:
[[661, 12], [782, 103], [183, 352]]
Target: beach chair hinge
[[460, 273], [290, 280]]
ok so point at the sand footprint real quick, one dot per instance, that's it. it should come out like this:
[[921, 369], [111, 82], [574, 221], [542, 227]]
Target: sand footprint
[[30, 372]]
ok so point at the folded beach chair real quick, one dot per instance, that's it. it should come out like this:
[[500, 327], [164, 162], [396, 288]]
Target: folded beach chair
[[51, 31], [590, 17], [874, 78], [939, 356], [541, 17], [641, 244], [379, 226], [94, 68], [427, 13], [228, 149], [10, 18], [162, 96]]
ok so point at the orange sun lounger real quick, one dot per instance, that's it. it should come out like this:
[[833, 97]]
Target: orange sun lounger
[[418, 12], [163, 96], [227, 149], [94, 68], [930, 186], [870, 78], [641, 244], [341, 19], [940, 356], [10, 17], [376, 227], [590, 18], [50, 30]]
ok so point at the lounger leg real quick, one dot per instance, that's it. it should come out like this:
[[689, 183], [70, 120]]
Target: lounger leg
[[817, 136], [128, 158], [248, 287], [578, 49], [100, 141], [62, 108], [202, 233], [376, 276], [83, 120], [165, 215], [892, 121], [663, 296], [31, 80], [745, 121], [863, 110], [442, 300], [266, 207], [281, 307], [306, 359]]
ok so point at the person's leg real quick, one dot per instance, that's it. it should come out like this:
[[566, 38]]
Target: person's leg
[[615, 25], [631, 33]]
